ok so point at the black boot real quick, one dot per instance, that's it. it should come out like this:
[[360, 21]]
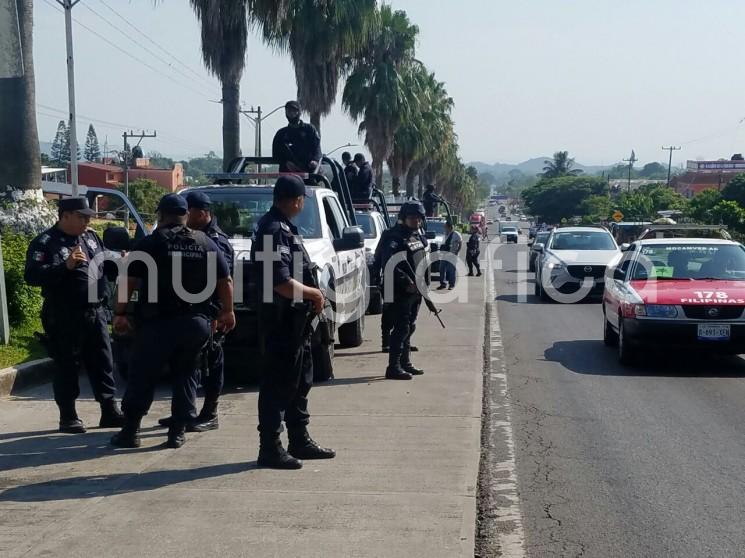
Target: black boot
[[395, 372], [411, 369], [176, 435], [274, 456], [207, 418], [69, 422], [111, 415], [129, 436], [302, 446]]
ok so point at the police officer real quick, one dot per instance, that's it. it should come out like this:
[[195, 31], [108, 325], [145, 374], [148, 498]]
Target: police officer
[[173, 323], [473, 250], [350, 169], [430, 200], [66, 261], [297, 146], [404, 239], [364, 182], [290, 302], [200, 218]]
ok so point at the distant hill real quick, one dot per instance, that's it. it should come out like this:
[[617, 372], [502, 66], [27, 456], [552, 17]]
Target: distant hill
[[531, 167]]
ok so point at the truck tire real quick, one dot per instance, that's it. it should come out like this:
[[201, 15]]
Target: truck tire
[[351, 334]]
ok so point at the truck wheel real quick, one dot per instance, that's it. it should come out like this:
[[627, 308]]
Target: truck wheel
[[351, 334], [376, 302]]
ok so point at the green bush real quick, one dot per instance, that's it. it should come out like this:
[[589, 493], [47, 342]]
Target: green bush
[[24, 302]]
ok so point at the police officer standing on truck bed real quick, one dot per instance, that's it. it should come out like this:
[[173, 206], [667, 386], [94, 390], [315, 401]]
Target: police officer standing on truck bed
[[404, 238], [289, 302], [297, 146], [473, 250], [173, 323], [75, 324], [200, 218], [350, 169]]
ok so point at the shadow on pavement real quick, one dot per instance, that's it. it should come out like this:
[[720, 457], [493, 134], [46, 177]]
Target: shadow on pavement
[[95, 486], [350, 381], [364, 353], [592, 357], [40, 448]]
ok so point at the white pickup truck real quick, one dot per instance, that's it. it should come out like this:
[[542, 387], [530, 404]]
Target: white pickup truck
[[332, 244]]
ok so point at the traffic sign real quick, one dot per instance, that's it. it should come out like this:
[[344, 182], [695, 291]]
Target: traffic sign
[[617, 216]]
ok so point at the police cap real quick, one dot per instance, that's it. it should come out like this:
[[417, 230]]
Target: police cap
[[289, 186], [292, 105], [198, 200], [116, 238], [412, 208], [76, 204], [172, 204]]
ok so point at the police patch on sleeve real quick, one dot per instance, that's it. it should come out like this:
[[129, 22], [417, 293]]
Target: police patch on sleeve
[[284, 250], [92, 244], [43, 239], [39, 256], [285, 227]]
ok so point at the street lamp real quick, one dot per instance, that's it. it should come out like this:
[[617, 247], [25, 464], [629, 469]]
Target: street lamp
[[342, 147]]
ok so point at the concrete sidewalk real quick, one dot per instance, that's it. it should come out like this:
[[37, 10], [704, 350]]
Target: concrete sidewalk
[[403, 483]]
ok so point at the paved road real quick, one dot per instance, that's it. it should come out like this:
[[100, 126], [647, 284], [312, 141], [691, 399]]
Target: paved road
[[614, 461]]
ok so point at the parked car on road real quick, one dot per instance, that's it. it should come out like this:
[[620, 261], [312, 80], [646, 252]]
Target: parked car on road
[[539, 240], [508, 234], [680, 293], [372, 224]]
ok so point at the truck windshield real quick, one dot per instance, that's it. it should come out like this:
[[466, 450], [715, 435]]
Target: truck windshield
[[365, 221], [238, 210], [437, 227]]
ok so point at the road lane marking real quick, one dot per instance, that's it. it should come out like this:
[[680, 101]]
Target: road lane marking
[[500, 505]]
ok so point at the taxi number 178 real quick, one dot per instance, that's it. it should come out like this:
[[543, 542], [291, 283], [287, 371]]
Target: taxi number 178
[[708, 295]]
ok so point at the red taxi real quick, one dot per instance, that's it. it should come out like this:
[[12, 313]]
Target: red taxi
[[678, 292]]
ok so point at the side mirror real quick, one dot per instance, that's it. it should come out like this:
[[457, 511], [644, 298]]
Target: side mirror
[[619, 274], [352, 238], [431, 235], [625, 247], [540, 248]]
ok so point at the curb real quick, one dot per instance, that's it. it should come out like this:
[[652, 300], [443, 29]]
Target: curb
[[24, 375]]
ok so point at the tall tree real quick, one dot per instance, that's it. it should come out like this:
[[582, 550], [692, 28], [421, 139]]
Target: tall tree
[[561, 165], [375, 93], [92, 151], [58, 144], [66, 153], [321, 36], [224, 38], [20, 157]]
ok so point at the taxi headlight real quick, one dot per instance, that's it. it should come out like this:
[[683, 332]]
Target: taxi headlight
[[661, 311]]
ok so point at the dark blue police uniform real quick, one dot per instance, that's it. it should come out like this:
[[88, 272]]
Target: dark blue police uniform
[[406, 298], [74, 319], [473, 250], [171, 331], [287, 328], [298, 144]]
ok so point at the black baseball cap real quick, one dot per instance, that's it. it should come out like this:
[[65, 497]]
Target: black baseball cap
[[292, 105], [173, 204], [198, 200], [289, 187], [76, 204]]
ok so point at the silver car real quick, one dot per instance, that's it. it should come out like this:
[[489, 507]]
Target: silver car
[[571, 264]]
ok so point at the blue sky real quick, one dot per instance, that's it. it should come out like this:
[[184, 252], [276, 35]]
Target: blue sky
[[596, 77]]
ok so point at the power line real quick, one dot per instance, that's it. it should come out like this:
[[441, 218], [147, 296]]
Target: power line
[[147, 37], [146, 49], [132, 56]]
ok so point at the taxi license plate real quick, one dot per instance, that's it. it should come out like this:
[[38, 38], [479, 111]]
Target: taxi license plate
[[707, 332]]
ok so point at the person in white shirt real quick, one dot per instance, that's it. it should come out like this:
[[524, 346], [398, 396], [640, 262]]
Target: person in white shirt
[[453, 243]]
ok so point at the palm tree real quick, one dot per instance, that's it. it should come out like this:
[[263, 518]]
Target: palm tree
[[426, 128], [560, 166], [375, 92], [20, 159], [321, 37]]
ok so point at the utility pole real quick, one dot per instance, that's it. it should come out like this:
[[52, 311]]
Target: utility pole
[[631, 162], [670, 163], [68, 6], [257, 120], [125, 162]]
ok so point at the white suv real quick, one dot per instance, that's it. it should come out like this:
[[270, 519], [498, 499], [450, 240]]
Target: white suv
[[571, 264]]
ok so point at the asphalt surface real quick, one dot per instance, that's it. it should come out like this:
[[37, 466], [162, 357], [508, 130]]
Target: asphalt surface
[[615, 461]]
